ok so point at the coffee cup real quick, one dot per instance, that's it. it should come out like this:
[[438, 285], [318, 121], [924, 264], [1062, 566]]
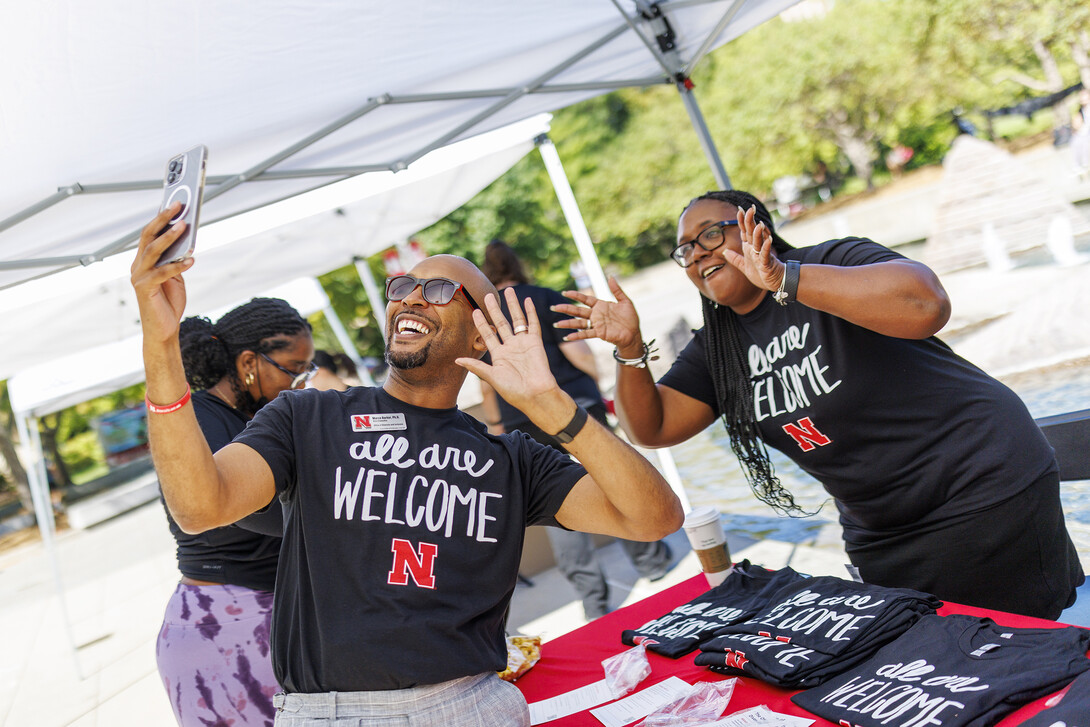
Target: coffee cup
[[705, 532]]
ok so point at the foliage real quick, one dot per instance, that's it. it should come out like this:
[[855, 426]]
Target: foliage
[[352, 308]]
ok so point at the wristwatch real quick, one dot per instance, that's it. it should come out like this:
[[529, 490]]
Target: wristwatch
[[575, 426]]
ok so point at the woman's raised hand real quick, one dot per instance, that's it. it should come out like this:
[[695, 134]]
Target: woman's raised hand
[[616, 323], [758, 260]]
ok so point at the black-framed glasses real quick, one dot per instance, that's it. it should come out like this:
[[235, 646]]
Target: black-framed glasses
[[437, 291], [297, 378], [709, 238]]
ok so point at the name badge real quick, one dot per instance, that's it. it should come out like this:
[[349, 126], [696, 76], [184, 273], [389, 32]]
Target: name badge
[[378, 422]]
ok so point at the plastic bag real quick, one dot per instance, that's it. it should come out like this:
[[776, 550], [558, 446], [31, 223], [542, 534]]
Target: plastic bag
[[522, 653], [703, 705], [625, 670]]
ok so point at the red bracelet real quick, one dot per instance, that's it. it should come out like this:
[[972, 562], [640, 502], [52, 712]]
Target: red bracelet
[[156, 409]]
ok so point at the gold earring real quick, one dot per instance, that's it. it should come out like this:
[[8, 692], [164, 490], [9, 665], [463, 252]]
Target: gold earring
[[250, 379]]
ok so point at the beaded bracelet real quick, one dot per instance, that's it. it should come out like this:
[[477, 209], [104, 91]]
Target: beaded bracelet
[[169, 408], [640, 362]]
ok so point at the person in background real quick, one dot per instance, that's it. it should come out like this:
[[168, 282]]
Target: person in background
[[403, 518], [326, 377], [572, 363], [213, 647], [1080, 134], [828, 353]]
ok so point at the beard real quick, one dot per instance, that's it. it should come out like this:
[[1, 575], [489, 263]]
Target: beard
[[405, 361]]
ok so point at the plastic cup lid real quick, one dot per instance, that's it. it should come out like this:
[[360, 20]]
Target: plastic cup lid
[[701, 516]]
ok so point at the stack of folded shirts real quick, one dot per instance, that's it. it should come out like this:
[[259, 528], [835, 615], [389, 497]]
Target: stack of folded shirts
[[744, 592], [813, 630], [1072, 709], [957, 671]]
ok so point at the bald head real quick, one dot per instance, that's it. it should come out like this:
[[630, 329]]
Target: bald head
[[461, 271]]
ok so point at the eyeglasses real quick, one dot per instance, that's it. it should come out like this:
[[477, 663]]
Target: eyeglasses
[[709, 238], [437, 291], [297, 378]]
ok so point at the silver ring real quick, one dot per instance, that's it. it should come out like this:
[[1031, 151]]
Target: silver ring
[[521, 329], [589, 324]]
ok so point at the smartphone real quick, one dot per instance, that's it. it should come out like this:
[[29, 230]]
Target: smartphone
[[184, 182]]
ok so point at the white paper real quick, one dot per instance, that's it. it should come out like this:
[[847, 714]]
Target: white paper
[[570, 702], [642, 703], [761, 716]]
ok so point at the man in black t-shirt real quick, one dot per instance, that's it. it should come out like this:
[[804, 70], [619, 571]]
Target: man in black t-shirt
[[403, 517]]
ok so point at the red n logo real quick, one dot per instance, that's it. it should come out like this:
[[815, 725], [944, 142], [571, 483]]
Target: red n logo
[[736, 659], [361, 422], [806, 435], [421, 566]]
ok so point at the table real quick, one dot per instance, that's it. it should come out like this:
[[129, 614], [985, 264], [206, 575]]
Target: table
[[574, 659]]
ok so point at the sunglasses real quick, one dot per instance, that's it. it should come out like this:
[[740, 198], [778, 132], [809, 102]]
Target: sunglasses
[[437, 291], [297, 378], [709, 238]]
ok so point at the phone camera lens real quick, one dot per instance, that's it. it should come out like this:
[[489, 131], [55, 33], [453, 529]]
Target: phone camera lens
[[174, 165], [172, 178]]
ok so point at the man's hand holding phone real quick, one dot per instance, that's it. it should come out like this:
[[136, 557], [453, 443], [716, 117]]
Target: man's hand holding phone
[[183, 182], [166, 245], [160, 290]]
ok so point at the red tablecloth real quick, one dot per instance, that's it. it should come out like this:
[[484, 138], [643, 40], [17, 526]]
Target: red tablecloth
[[575, 659]]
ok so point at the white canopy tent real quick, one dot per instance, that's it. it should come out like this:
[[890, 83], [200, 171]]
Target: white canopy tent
[[306, 235], [289, 96]]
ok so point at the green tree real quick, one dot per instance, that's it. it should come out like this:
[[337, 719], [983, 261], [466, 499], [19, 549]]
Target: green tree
[[1014, 48]]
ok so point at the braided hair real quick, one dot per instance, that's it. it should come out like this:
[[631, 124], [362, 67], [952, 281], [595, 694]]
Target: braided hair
[[210, 350], [729, 369]]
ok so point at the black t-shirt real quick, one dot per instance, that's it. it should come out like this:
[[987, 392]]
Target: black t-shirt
[[403, 533], [744, 592], [901, 432], [232, 554], [957, 671], [813, 629], [1073, 709], [577, 384]]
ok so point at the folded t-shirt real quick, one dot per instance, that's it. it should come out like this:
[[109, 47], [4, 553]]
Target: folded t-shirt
[[957, 671], [744, 592]]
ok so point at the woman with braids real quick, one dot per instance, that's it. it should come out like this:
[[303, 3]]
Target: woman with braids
[[943, 481], [213, 648]]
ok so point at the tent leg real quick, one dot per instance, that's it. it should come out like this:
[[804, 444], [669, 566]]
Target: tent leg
[[347, 344], [574, 218], [377, 301], [696, 118], [43, 513], [594, 269], [671, 475]]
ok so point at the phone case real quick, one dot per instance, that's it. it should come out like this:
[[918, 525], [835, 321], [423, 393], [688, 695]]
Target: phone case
[[184, 182]]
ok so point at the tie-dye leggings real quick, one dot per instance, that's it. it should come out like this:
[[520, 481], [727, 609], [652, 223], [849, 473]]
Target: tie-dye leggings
[[213, 656]]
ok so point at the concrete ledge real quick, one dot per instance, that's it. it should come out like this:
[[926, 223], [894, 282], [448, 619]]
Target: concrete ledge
[[114, 502]]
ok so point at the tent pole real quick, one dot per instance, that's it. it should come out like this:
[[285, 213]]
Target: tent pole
[[574, 218], [696, 118], [378, 304], [43, 513], [597, 277], [341, 334]]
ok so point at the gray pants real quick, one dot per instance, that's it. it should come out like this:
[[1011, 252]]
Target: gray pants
[[483, 700], [576, 559]]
